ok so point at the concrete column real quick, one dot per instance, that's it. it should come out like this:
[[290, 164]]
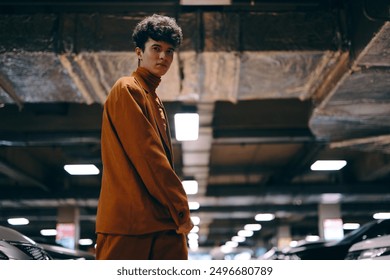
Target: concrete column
[[68, 226], [330, 223], [284, 236]]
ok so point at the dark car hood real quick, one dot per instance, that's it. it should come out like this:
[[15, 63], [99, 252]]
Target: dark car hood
[[9, 234], [327, 251]]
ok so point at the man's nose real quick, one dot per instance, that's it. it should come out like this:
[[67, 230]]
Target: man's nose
[[162, 55]]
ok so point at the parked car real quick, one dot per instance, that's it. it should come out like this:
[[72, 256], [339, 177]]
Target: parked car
[[280, 254], [303, 244], [371, 249], [58, 252], [272, 254], [338, 250], [16, 246]]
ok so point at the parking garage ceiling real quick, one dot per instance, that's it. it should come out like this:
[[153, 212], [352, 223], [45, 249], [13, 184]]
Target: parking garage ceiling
[[277, 84]]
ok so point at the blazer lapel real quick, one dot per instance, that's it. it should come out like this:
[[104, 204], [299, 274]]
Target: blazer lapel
[[164, 132], [168, 136]]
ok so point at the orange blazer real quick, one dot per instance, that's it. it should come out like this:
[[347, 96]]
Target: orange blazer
[[140, 191]]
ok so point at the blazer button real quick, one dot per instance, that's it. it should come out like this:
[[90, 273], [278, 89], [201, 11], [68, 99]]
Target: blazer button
[[181, 214]]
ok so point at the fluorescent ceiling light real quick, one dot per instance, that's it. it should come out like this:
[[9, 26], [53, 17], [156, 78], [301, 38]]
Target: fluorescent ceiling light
[[238, 239], [264, 217], [49, 232], [351, 226], [226, 249], [380, 216], [190, 186], [81, 169], [232, 244], [245, 233], [328, 165], [85, 242], [252, 227], [193, 242], [193, 246], [195, 229], [204, 2], [330, 198], [195, 220], [193, 236], [193, 205], [312, 238], [186, 126], [18, 221]]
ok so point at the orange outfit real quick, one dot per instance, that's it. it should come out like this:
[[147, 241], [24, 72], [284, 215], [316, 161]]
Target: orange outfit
[[140, 191]]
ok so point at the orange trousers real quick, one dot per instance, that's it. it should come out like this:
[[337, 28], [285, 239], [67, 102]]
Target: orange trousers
[[164, 245]]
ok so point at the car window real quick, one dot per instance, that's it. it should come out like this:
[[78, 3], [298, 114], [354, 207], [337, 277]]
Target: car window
[[368, 230], [380, 229], [356, 233]]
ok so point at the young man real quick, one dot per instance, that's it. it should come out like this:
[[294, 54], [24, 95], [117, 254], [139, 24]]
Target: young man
[[143, 210]]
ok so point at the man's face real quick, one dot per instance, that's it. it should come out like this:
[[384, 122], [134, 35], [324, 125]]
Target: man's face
[[157, 56]]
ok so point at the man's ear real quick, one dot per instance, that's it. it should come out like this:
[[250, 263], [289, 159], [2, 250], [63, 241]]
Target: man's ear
[[138, 51]]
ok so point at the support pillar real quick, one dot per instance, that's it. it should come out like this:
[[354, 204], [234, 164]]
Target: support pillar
[[68, 226], [284, 236], [330, 223]]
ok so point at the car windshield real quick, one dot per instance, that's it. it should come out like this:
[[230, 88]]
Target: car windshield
[[370, 230], [351, 235]]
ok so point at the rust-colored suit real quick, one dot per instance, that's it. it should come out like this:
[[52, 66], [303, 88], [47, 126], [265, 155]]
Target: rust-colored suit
[[140, 192]]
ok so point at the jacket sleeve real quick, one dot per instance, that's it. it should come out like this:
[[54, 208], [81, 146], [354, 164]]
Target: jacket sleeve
[[144, 149]]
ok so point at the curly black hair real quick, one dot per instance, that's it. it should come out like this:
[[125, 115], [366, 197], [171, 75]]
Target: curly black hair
[[158, 28]]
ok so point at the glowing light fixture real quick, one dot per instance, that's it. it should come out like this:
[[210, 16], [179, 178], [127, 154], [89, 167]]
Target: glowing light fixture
[[312, 238], [328, 165], [193, 205], [330, 198], [193, 244], [226, 249], [264, 217], [18, 221], [81, 169], [232, 244], [85, 242], [190, 186], [380, 216], [186, 126], [49, 232], [204, 2], [195, 229], [238, 239], [252, 227], [193, 236], [195, 220], [245, 233], [351, 226]]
